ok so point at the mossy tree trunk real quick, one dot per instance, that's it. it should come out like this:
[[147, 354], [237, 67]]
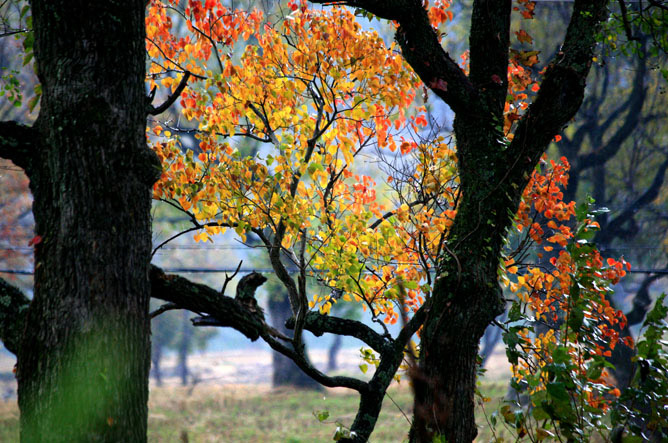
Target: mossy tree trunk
[[84, 354]]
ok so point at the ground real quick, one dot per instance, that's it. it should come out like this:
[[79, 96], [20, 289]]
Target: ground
[[234, 402]]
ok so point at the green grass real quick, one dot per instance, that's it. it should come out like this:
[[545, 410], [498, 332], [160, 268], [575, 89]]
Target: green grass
[[9, 421], [254, 414]]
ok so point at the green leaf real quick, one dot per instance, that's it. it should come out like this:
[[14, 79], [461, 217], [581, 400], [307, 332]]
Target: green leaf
[[321, 415], [558, 392], [410, 284]]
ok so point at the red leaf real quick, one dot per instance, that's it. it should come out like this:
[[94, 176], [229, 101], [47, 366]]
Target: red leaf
[[35, 240]]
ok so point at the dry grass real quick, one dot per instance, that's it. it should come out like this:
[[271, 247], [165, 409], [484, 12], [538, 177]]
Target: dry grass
[[255, 413], [221, 409]]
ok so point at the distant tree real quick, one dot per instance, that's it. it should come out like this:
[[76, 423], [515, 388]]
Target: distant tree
[[174, 331]]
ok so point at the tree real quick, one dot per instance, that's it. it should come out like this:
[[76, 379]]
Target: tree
[[172, 331], [617, 155], [82, 342], [493, 174], [498, 147]]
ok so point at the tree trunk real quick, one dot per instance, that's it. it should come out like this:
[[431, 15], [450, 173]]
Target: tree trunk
[[285, 371], [84, 359], [466, 299], [184, 348], [333, 353], [156, 358]]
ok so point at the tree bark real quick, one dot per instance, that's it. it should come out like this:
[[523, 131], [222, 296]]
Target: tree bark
[[84, 357]]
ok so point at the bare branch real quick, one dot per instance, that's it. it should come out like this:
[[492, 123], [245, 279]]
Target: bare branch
[[641, 301], [221, 310], [164, 308], [227, 279], [633, 107], [200, 298], [172, 98], [625, 22], [319, 324], [650, 194], [304, 365]]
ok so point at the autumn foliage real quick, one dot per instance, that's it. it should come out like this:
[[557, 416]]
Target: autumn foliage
[[561, 326], [321, 91]]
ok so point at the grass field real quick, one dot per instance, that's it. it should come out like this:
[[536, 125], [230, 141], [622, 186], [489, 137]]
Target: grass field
[[233, 402], [254, 413]]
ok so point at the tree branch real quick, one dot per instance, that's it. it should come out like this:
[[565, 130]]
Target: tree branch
[[489, 41], [651, 193], [562, 89], [422, 50], [319, 324], [225, 311], [200, 298], [633, 107], [172, 98], [304, 365], [18, 144], [13, 308], [641, 301]]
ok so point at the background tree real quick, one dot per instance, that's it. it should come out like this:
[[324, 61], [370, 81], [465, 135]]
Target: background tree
[[173, 331]]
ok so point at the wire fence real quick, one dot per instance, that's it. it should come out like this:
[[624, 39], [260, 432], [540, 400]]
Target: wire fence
[[271, 271]]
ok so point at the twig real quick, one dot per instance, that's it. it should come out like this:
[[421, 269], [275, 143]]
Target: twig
[[164, 308], [227, 279]]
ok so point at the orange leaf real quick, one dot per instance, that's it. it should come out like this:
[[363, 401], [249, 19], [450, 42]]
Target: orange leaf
[[524, 37]]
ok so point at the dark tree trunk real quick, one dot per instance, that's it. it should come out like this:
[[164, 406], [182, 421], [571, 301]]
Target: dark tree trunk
[[466, 296], [466, 300], [84, 358], [285, 371], [184, 348], [333, 353]]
